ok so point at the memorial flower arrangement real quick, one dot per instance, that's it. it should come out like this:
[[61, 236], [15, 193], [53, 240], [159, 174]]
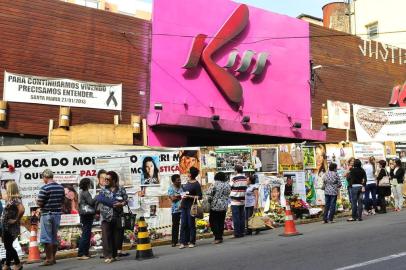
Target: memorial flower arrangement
[[299, 207], [276, 212], [202, 226]]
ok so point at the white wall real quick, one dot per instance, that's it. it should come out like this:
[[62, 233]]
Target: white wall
[[389, 14]]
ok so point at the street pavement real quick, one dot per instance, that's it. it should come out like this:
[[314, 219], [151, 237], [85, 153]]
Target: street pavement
[[378, 242]]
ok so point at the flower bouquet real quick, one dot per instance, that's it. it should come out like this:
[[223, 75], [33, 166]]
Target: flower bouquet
[[276, 213], [202, 226], [299, 207]]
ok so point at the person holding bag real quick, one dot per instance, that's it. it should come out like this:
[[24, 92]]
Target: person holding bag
[[384, 188], [87, 213], [397, 174], [192, 191], [112, 198], [251, 202], [218, 196], [13, 212]]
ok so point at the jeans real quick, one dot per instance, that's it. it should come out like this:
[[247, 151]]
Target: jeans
[[187, 227], [49, 225], [370, 189], [382, 203], [238, 212], [11, 253], [84, 244], [111, 237], [356, 202], [330, 207], [216, 220], [349, 194], [398, 195], [175, 227]]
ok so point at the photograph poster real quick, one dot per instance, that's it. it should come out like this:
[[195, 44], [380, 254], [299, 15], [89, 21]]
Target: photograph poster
[[265, 159], [295, 183], [290, 157], [120, 165], [309, 157], [70, 206], [150, 171], [188, 159], [339, 154], [228, 158]]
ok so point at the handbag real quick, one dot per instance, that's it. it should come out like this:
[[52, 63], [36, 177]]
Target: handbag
[[128, 220], [256, 221], [385, 181], [196, 210]]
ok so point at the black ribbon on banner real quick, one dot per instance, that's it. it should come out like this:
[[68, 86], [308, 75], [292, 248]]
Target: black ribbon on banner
[[112, 98]]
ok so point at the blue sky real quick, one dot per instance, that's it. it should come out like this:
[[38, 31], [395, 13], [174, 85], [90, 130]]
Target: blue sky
[[292, 8]]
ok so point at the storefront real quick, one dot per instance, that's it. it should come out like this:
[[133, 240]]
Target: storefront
[[261, 96]]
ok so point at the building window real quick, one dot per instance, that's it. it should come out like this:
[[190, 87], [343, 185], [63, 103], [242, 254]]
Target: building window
[[372, 30], [88, 3]]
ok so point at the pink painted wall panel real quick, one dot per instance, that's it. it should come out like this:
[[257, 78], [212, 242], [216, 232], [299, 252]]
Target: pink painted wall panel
[[281, 91]]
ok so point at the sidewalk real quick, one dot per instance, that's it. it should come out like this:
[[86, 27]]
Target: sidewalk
[[66, 254]]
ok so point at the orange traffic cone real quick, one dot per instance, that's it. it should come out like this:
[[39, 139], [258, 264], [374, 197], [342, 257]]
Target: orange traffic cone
[[33, 253], [290, 228]]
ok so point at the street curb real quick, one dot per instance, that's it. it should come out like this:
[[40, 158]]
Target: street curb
[[157, 243]]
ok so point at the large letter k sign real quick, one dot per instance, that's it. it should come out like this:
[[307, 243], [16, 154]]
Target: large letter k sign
[[226, 82]]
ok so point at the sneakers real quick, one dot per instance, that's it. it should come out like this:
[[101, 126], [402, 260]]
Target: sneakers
[[84, 257], [182, 246], [108, 260], [191, 245]]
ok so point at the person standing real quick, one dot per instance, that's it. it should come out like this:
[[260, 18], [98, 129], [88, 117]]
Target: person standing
[[350, 165], [218, 196], [175, 194], [192, 191], [112, 198], [357, 184], [238, 189], [383, 191], [251, 202], [13, 212], [332, 184], [371, 187], [87, 213], [50, 199], [397, 175]]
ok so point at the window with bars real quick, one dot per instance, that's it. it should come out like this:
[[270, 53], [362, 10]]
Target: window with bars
[[372, 30]]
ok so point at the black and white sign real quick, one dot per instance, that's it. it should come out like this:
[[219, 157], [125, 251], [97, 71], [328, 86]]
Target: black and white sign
[[61, 92]]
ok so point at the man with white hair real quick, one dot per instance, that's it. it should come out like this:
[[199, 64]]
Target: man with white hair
[[50, 200]]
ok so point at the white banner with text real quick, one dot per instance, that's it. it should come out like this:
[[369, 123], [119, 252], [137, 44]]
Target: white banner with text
[[61, 92]]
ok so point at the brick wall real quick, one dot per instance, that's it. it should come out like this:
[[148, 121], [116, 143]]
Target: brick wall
[[56, 39], [349, 76]]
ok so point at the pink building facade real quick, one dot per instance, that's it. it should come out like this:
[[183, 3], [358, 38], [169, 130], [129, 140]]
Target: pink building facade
[[193, 101]]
